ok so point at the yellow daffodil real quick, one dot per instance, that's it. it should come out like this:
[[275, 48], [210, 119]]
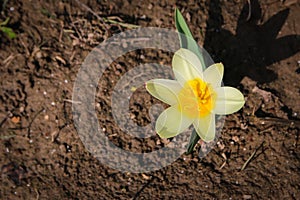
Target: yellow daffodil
[[194, 97]]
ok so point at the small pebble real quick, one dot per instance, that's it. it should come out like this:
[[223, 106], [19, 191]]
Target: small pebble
[[46, 117], [21, 109], [246, 196], [38, 55], [90, 35], [68, 148], [146, 177], [188, 17], [53, 103], [235, 138]]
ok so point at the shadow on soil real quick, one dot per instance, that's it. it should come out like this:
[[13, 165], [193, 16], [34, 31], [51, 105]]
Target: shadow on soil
[[254, 47]]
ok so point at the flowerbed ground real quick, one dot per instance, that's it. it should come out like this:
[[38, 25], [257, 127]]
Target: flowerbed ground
[[42, 156]]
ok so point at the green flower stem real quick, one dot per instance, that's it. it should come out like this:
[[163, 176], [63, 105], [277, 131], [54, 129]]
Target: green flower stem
[[193, 141]]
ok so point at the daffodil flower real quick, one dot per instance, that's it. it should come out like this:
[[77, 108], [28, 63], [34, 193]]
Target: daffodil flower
[[195, 97]]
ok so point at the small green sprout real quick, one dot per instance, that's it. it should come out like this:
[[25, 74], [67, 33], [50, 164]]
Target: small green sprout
[[8, 31]]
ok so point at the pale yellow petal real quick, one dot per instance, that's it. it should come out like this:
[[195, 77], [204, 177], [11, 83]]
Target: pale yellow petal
[[171, 122], [164, 90], [228, 101], [214, 74], [205, 127], [186, 66]]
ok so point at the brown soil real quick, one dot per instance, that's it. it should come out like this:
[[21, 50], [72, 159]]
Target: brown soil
[[42, 156]]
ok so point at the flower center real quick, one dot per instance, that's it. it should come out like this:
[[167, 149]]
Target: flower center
[[196, 98]]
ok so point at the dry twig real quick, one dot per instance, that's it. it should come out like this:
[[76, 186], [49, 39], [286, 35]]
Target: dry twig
[[252, 156], [95, 14]]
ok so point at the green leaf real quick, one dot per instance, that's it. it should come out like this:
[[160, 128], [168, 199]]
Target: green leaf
[[186, 38], [5, 22], [193, 141], [9, 32], [182, 27]]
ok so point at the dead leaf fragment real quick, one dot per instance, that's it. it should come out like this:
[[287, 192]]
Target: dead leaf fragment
[[265, 94], [15, 119]]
